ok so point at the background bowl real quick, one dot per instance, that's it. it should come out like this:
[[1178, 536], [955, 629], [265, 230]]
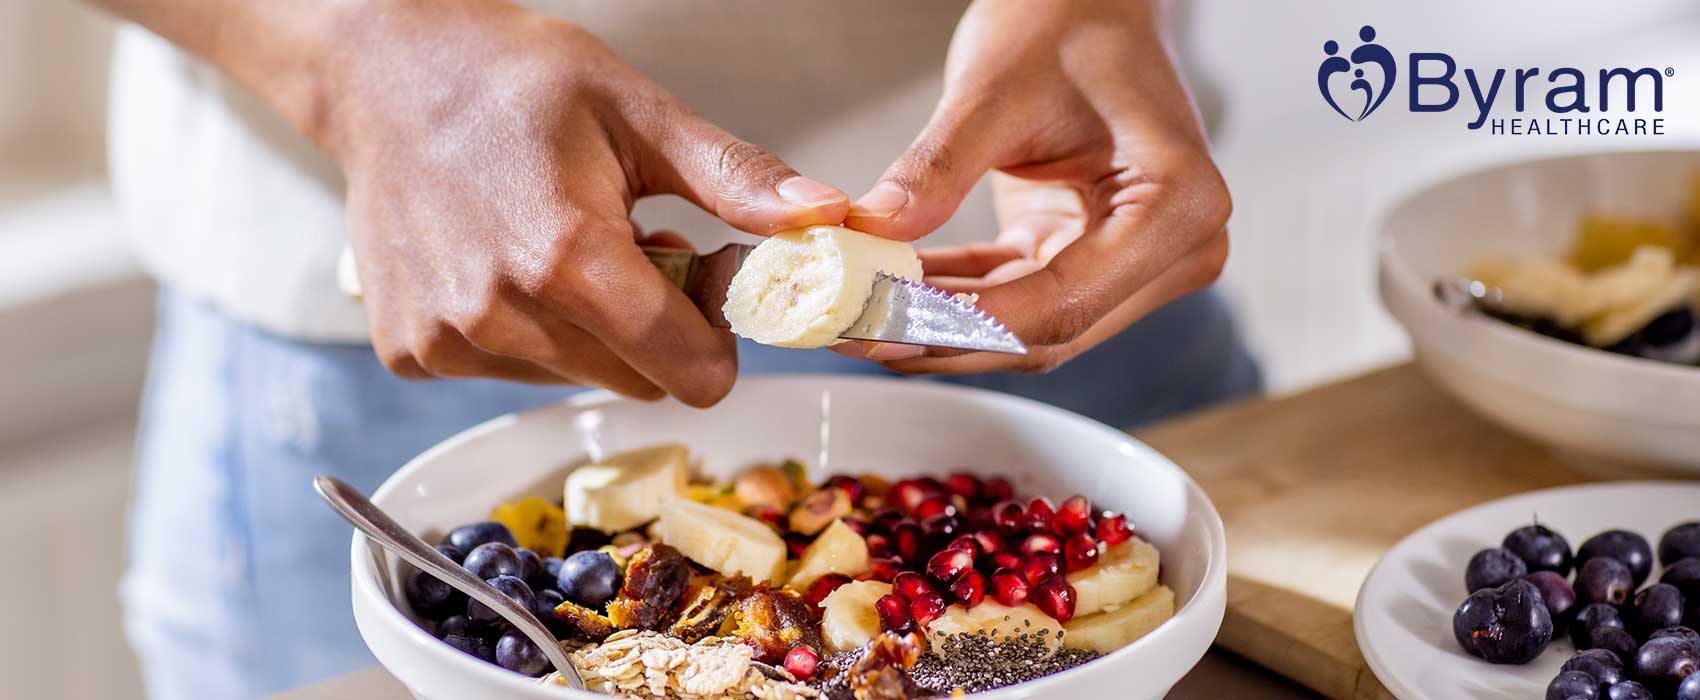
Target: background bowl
[[887, 426], [1607, 413]]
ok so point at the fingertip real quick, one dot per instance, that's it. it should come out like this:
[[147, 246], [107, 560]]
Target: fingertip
[[810, 193]]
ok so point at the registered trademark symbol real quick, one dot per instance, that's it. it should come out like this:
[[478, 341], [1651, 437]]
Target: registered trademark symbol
[[1670, 72]]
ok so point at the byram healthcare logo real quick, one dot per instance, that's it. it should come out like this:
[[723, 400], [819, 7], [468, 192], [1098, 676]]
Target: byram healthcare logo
[[1356, 84]]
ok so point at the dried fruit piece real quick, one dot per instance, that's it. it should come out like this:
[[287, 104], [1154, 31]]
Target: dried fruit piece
[[655, 578], [584, 623], [772, 622], [818, 510], [706, 603]]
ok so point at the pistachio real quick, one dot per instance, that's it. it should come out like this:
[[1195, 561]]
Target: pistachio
[[818, 510], [764, 486]]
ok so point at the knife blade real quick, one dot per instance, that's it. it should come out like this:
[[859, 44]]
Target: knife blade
[[897, 311]]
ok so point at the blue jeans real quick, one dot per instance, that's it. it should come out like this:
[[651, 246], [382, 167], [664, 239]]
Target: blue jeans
[[237, 584]]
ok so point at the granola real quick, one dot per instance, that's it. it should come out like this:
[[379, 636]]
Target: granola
[[643, 664]]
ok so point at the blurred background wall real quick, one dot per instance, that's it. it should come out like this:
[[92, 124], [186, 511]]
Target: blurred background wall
[[1307, 185]]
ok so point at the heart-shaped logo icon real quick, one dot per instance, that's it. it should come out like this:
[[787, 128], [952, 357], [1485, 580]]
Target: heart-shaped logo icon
[[1366, 90]]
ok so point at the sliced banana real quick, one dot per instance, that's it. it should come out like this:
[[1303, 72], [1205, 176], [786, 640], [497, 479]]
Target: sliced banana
[[727, 542], [1540, 287], [838, 550], [628, 489], [1646, 272], [998, 621], [1607, 330], [1113, 629], [1124, 572], [848, 617], [802, 288]]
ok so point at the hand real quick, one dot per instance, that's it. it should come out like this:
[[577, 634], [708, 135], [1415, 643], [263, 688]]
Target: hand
[[1108, 203], [493, 156]]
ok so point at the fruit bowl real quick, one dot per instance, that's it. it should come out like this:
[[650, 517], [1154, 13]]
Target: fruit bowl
[[890, 427], [1606, 413]]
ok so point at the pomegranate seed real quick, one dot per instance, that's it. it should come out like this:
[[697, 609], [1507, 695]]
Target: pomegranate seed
[[857, 524], [1080, 552], [1008, 559], [965, 542], [1009, 587], [823, 587], [907, 538], [796, 543], [1073, 517], [884, 519], [928, 607], [776, 517], [986, 541], [934, 506], [1041, 565], [910, 585], [934, 486], [963, 484], [1041, 542], [997, 489], [878, 545], [884, 569], [970, 588], [894, 613], [949, 564], [908, 494], [1039, 514], [801, 662], [851, 486], [941, 527], [1113, 529], [1010, 517], [1054, 597]]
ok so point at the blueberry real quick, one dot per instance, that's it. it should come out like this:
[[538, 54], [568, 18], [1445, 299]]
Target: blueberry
[[1492, 568], [1689, 688], [1678, 631], [467, 537], [547, 599], [1603, 666], [430, 597], [1504, 625], [1592, 617], [552, 567], [454, 625], [1679, 543], [1604, 580], [1671, 337], [530, 565], [492, 559], [590, 579], [1664, 662], [1617, 641], [1656, 607], [1571, 685], [453, 553], [1624, 546], [510, 586], [1627, 690], [1685, 575], [1559, 597], [1540, 548], [474, 645], [515, 652]]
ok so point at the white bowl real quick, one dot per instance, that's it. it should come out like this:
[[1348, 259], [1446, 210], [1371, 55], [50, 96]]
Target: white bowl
[[1607, 413], [888, 426]]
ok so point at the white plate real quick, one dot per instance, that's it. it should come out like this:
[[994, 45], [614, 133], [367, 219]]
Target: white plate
[[1404, 612]]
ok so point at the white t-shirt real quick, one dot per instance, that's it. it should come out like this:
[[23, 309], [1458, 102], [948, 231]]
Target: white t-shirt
[[225, 201]]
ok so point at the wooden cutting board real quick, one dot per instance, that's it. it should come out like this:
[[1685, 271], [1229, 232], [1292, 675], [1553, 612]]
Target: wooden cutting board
[[1314, 487]]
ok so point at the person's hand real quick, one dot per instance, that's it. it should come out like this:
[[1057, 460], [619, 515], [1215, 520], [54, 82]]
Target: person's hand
[[1108, 203], [492, 158]]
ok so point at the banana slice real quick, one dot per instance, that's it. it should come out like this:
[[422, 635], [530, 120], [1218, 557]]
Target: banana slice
[[838, 550], [628, 489], [1124, 572], [1541, 288], [727, 542], [1111, 630], [848, 617], [801, 288], [1648, 271], [1607, 330], [995, 620]]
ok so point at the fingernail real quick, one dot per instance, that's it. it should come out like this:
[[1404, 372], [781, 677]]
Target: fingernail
[[804, 192], [891, 351], [881, 202]]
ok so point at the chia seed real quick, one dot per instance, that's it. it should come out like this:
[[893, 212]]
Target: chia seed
[[966, 663]]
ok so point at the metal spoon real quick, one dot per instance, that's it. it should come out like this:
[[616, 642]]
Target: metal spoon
[[381, 528]]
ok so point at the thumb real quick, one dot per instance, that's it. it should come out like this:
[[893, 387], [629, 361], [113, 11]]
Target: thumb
[[921, 191], [733, 179]]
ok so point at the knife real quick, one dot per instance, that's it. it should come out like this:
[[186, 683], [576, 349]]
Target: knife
[[898, 310]]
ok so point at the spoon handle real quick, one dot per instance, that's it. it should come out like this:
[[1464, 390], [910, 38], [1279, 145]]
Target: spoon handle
[[381, 528]]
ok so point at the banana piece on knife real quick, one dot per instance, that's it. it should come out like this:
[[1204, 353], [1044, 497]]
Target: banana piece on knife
[[803, 288]]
